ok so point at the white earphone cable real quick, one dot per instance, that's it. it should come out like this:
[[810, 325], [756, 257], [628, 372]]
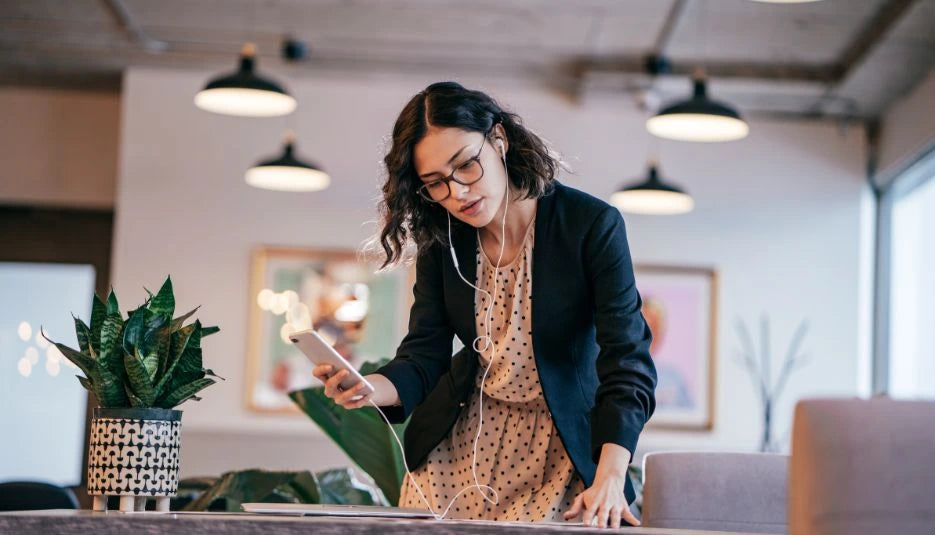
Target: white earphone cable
[[487, 344]]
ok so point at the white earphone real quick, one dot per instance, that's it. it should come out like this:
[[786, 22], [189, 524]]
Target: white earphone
[[487, 344]]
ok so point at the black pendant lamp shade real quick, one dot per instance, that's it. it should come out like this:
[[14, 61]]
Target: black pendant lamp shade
[[287, 173], [244, 93], [698, 119], [652, 196]]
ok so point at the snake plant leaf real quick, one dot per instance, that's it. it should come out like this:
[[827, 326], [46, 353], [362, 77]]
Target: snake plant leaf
[[188, 366], [111, 354], [362, 434], [164, 301], [84, 334], [139, 381], [83, 361], [98, 311], [134, 400], [205, 331], [177, 322], [112, 306], [177, 344], [212, 374], [86, 384], [133, 330], [154, 346], [184, 392]]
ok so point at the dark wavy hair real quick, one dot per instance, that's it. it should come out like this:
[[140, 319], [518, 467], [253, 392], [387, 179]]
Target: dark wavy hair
[[406, 217]]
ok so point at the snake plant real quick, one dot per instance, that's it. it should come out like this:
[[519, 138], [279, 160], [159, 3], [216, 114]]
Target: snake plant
[[148, 359]]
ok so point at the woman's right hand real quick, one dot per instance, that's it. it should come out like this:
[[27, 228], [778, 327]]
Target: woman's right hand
[[384, 392]]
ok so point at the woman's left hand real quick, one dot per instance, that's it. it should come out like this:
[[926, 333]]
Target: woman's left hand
[[604, 502]]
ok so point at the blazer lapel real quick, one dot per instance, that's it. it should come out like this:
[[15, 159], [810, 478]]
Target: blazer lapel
[[543, 259], [461, 310]]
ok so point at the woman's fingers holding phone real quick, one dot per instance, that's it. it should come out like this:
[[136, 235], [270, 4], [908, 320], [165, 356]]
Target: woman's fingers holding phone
[[332, 388], [347, 397], [321, 372]]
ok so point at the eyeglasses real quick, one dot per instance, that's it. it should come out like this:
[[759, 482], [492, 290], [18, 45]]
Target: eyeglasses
[[465, 174]]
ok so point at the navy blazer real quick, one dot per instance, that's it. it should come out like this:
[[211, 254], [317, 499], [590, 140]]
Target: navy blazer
[[590, 341]]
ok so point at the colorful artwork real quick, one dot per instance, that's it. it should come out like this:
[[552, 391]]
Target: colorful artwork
[[362, 313], [678, 304]]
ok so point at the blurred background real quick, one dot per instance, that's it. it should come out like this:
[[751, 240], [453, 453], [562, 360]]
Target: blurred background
[[797, 253]]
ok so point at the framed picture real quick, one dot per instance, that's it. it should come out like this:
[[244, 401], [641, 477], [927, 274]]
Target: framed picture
[[679, 306], [364, 314]]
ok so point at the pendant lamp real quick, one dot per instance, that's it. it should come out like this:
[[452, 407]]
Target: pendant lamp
[[244, 93], [652, 197], [698, 118], [287, 173]]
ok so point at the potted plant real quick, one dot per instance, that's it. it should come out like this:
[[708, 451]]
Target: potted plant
[[138, 369]]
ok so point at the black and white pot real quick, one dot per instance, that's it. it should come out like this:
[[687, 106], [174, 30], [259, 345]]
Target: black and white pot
[[134, 454]]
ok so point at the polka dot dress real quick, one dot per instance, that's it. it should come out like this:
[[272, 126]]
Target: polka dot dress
[[519, 452]]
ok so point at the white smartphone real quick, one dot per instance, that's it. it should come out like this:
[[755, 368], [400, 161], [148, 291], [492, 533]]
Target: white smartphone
[[319, 351]]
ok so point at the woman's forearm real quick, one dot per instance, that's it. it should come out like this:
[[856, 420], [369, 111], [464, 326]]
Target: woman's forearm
[[614, 460], [384, 391]]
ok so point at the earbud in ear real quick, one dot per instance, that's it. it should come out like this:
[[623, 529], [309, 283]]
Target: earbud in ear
[[500, 144]]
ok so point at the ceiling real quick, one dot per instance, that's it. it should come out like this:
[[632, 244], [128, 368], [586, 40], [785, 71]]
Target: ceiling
[[838, 58]]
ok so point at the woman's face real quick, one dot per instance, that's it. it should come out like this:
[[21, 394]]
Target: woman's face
[[443, 150]]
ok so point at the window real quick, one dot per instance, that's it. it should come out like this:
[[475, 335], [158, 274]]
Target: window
[[912, 293], [43, 406]]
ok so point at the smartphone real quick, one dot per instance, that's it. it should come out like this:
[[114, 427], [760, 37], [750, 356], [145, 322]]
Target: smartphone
[[320, 351]]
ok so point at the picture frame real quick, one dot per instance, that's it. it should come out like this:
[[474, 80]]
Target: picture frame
[[364, 314], [683, 300]]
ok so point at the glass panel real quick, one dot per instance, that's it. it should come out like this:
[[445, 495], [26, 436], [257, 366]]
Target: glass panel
[[42, 406]]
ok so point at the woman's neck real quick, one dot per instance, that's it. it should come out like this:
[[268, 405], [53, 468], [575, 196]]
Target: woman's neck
[[518, 218]]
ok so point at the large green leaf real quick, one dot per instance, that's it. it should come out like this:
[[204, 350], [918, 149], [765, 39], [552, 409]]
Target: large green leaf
[[98, 311], [164, 301], [235, 488], [362, 434], [183, 393], [231, 489], [139, 380]]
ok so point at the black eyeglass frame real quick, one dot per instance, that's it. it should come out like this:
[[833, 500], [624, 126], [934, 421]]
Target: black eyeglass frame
[[423, 189]]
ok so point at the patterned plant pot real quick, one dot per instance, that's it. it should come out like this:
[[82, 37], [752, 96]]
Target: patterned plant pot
[[134, 453]]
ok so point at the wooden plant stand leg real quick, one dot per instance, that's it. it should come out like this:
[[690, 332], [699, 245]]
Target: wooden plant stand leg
[[100, 503], [162, 504], [127, 504]]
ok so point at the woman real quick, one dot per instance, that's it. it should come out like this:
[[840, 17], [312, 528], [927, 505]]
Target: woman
[[535, 279]]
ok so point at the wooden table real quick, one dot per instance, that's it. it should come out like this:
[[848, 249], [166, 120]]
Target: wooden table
[[178, 523]]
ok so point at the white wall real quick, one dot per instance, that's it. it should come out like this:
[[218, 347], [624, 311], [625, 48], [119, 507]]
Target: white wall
[[58, 147], [778, 215]]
